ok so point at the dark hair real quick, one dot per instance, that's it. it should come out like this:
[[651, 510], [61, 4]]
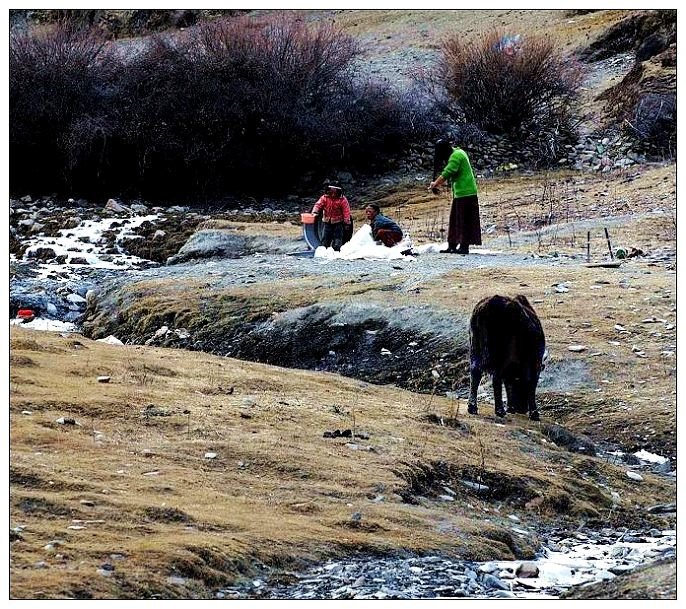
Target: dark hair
[[443, 148], [375, 207]]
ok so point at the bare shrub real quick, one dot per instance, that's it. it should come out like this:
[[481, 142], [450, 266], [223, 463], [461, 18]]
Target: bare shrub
[[55, 81], [521, 87], [231, 105], [654, 121]]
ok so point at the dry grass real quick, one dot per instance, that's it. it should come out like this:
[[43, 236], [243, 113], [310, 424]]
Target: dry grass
[[277, 491], [383, 30]]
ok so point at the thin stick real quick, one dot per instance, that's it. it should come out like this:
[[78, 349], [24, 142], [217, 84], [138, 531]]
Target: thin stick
[[588, 246], [609, 245]]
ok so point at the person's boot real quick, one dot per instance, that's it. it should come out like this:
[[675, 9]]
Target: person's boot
[[463, 249], [452, 249]]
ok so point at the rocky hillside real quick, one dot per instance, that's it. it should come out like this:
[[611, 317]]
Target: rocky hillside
[[218, 418]]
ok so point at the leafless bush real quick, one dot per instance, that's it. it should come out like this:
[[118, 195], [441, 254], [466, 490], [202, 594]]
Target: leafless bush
[[56, 78], [231, 105], [517, 86], [653, 121]]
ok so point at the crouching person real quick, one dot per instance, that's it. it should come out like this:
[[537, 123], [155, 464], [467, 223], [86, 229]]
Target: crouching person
[[384, 230]]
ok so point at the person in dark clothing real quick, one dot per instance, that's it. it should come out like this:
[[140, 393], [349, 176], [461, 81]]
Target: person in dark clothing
[[464, 226], [384, 230]]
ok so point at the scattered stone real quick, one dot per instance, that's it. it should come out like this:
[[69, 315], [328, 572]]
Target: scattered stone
[[67, 421], [527, 569], [577, 348], [110, 340], [491, 581], [634, 476], [211, 455], [115, 207], [104, 379], [475, 486]]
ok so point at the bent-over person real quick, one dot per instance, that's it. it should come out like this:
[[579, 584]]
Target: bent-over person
[[464, 228], [384, 230]]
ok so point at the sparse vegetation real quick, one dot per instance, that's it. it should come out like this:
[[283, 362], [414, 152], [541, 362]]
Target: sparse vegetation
[[517, 86]]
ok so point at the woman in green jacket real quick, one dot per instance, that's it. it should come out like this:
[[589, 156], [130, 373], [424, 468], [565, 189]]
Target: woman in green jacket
[[464, 227]]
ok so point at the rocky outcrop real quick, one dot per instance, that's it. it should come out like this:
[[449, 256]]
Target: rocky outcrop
[[647, 33]]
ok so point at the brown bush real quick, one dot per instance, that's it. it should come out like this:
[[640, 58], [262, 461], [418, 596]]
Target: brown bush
[[501, 87], [232, 105]]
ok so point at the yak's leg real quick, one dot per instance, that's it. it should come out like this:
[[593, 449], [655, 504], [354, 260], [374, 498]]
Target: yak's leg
[[509, 392], [474, 380], [498, 395], [534, 415]]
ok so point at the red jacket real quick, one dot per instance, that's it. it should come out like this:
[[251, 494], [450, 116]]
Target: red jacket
[[335, 210]]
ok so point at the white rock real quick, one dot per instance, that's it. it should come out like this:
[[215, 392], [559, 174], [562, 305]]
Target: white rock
[[577, 348], [110, 340], [634, 476], [112, 205], [210, 455], [161, 331]]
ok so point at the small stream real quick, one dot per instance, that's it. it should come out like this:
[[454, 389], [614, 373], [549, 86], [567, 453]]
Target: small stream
[[562, 562]]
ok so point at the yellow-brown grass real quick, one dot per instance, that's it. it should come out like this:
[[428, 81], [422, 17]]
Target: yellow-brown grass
[[277, 491]]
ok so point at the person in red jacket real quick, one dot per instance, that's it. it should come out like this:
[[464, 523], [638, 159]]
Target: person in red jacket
[[335, 211]]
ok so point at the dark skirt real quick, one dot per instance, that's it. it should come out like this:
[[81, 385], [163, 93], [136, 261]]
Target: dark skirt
[[389, 237], [464, 227]]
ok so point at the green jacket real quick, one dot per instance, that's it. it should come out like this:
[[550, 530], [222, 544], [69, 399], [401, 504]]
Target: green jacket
[[459, 173]]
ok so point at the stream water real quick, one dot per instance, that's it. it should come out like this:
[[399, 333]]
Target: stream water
[[564, 561]]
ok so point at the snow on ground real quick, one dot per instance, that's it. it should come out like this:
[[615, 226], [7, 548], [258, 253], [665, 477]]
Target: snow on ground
[[70, 244], [588, 562], [39, 323], [363, 246]]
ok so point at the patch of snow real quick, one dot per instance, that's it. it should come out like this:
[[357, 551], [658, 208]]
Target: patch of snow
[[644, 455], [68, 244], [51, 325]]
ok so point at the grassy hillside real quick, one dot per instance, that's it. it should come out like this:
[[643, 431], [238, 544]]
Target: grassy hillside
[[180, 472]]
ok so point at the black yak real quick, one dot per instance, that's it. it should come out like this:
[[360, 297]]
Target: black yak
[[506, 340]]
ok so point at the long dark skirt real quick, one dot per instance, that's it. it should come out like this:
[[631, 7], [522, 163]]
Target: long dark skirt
[[465, 226]]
